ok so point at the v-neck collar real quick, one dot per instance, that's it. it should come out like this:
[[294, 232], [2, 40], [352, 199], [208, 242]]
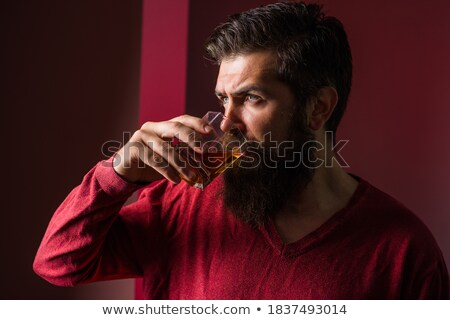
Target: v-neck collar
[[314, 238]]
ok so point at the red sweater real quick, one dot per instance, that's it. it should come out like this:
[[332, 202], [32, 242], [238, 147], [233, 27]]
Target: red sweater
[[185, 245]]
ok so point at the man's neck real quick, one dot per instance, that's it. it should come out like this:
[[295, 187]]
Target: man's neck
[[328, 192]]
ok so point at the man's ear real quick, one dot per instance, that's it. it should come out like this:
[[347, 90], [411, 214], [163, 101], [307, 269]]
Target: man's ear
[[322, 107]]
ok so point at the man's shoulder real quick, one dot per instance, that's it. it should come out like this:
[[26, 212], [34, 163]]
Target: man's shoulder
[[396, 241], [388, 216], [381, 203], [376, 199]]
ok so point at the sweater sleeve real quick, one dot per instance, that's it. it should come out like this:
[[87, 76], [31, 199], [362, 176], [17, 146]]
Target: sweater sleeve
[[90, 236]]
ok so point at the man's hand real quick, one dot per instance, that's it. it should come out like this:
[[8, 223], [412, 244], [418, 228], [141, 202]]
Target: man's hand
[[149, 155]]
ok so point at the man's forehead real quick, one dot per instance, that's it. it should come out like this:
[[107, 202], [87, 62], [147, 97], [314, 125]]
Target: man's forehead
[[259, 61], [255, 67]]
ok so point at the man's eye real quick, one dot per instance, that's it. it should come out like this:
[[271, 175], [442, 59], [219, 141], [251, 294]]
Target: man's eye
[[252, 98], [223, 100]]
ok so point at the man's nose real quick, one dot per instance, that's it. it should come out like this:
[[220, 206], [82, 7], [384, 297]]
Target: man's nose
[[233, 118]]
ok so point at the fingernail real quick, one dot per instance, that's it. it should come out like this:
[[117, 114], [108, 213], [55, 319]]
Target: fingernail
[[208, 128]]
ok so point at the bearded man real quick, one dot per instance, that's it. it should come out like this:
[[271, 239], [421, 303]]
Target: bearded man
[[262, 230]]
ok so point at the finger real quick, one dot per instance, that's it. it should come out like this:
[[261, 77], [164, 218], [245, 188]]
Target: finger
[[198, 124], [160, 165], [162, 155], [176, 130], [175, 158], [151, 163]]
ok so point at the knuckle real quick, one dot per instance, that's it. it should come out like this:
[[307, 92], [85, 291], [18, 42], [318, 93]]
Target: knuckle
[[137, 134], [147, 125], [176, 126], [181, 117], [137, 137], [135, 146]]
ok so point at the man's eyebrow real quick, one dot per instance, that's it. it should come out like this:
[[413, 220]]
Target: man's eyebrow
[[244, 90]]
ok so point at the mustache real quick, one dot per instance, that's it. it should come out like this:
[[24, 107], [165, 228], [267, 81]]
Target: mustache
[[271, 154]]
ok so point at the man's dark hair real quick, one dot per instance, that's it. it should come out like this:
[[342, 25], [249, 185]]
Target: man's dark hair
[[312, 48]]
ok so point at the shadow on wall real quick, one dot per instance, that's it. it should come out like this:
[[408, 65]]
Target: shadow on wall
[[70, 82]]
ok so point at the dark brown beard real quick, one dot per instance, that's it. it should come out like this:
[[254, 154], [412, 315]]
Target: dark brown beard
[[254, 194]]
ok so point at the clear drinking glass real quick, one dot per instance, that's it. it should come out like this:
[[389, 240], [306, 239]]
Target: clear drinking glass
[[217, 151]]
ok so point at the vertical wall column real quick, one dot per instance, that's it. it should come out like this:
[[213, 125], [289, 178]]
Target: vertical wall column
[[163, 59], [163, 64]]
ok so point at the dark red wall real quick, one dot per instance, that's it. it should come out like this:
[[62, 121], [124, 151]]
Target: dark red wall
[[69, 82], [164, 58]]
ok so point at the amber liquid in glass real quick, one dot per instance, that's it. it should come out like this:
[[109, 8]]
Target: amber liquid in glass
[[209, 165]]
